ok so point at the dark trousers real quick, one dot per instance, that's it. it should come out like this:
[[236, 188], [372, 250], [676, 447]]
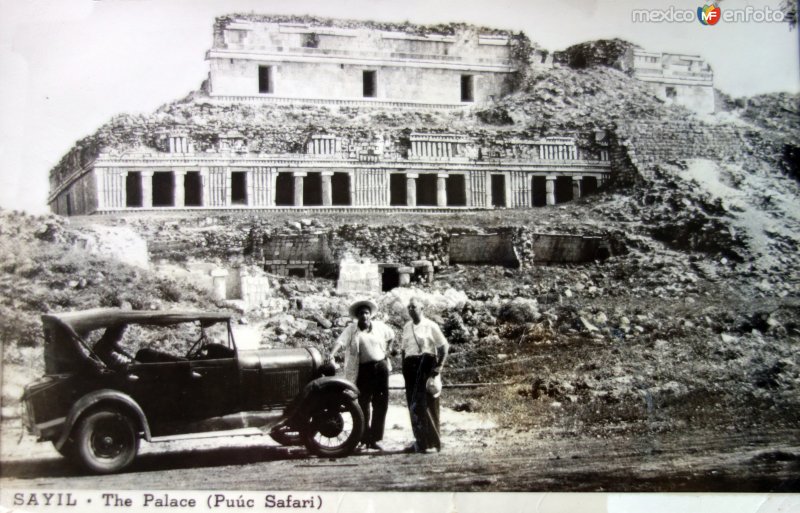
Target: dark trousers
[[423, 407], [373, 388]]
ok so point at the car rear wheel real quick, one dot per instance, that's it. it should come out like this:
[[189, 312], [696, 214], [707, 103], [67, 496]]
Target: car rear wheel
[[334, 427], [106, 441]]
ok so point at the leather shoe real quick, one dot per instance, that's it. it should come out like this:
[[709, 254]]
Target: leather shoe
[[414, 449], [374, 446]]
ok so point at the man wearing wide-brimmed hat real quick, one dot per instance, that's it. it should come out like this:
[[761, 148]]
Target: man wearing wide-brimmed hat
[[366, 342]]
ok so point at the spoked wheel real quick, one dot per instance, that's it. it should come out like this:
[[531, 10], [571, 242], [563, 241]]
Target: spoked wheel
[[334, 427], [106, 441]]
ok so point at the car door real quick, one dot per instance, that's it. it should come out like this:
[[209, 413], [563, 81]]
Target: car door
[[214, 388], [160, 377], [160, 388]]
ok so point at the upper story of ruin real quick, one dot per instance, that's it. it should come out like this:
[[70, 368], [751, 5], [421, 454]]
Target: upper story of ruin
[[678, 69], [676, 79], [279, 58], [680, 79]]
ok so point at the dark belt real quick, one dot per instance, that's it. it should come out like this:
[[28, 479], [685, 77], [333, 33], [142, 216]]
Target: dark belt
[[418, 356], [373, 362]]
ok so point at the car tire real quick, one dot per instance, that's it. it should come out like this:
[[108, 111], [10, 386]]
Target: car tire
[[67, 450], [334, 426], [106, 441]]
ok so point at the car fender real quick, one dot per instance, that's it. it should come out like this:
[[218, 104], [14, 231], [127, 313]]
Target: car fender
[[327, 384], [106, 396], [313, 392]]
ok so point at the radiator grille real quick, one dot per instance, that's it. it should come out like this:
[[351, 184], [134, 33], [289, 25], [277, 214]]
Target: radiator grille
[[280, 386]]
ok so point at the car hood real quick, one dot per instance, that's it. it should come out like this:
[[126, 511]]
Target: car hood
[[277, 359]]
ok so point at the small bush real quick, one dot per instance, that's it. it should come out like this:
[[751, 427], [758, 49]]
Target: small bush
[[519, 311], [170, 291]]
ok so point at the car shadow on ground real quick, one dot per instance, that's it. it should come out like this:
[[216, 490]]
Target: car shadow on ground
[[56, 466], [157, 461]]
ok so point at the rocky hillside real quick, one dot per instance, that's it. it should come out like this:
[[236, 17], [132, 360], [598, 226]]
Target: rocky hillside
[[48, 267]]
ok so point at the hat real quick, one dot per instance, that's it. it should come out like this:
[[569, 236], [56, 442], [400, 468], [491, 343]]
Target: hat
[[434, 385], [361, 303]]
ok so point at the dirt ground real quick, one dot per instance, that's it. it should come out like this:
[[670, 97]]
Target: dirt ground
[[477, 456]]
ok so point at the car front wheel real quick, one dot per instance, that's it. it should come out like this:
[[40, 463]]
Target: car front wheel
[[334, 427], [106, 441], [67, 450]]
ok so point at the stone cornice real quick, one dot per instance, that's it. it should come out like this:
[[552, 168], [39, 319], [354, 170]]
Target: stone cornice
[[372, 60]]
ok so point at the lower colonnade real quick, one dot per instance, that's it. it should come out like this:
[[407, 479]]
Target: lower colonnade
[[435, 171], [220, 187]]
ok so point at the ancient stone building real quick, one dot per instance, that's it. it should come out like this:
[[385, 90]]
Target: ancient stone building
[[678, 79], [256, 58], [338, 64], [675, 78]]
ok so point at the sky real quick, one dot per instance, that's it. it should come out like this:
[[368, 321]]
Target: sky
[[68, 66]]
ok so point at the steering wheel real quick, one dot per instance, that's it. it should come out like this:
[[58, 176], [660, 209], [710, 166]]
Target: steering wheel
[[125, 353], [197, 348]]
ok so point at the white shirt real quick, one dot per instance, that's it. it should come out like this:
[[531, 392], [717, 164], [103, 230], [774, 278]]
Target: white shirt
[[424, 337], [372, 344], [375, 342]]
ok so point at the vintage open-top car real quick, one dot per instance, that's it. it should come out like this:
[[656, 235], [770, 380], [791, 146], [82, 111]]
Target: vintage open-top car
[[113, 377]]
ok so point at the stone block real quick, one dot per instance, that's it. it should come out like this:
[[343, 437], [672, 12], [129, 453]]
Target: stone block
[[358, 277]]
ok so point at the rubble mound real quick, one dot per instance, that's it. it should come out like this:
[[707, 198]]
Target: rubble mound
[[602, 52], [778, 111]]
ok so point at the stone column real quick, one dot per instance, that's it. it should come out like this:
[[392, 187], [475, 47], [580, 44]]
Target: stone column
[[273, 186], [298, 188], [550, 187], [147, 189], [228, 187], [576, 187], [204, 185], [249, 188], [120, 193], [441, 190], [99, 187], [180, 191], [218, 277], [405, 275], [327, 191], [427, 269], [411, 189]]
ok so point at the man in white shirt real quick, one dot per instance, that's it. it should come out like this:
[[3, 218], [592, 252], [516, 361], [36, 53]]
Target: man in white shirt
[[424, 351], [366, 343]]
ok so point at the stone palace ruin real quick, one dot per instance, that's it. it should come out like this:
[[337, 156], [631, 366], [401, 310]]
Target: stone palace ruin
[[308, 63]]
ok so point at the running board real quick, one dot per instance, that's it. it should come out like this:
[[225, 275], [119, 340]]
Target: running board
[[209, 434]]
